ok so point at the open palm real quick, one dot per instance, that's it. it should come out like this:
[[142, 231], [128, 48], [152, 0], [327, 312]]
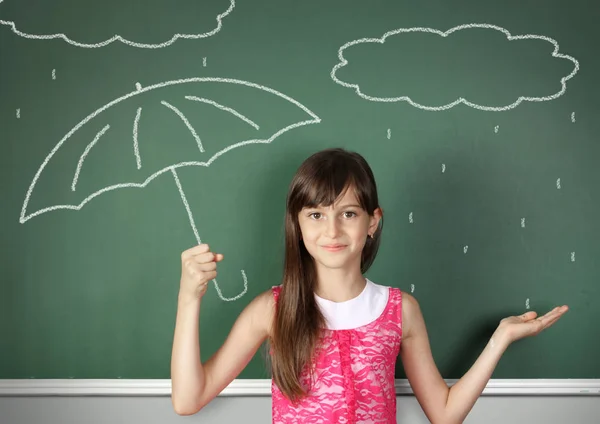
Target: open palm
[[518, 327]]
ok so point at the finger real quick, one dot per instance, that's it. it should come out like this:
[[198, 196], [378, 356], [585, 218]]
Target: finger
[[548, 323], [211, 275], [201, 248], [219, 257], [551, 322], [207, 266], [550, 319], [558, 311], [203, 258]]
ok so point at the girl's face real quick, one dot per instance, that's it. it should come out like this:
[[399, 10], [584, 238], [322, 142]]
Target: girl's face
[[335, 235]]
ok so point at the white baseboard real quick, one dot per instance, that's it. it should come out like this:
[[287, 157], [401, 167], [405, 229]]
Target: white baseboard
[[262, 387]]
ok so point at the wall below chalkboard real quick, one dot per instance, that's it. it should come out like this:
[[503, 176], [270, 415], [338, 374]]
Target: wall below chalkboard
[[257, 410]]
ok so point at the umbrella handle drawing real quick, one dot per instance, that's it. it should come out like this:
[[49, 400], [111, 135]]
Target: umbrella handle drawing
[[192, 223]]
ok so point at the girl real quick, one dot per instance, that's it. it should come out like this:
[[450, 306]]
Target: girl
[[334, 335]]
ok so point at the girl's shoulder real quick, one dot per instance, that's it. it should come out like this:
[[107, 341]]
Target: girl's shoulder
[[261, 311]]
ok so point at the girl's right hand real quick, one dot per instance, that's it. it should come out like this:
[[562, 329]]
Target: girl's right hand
[[198, 267]]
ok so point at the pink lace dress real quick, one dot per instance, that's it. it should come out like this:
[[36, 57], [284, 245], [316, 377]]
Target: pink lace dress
[[354, 370]]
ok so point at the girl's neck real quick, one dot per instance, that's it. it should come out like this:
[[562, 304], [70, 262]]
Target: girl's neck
[[339, 285]]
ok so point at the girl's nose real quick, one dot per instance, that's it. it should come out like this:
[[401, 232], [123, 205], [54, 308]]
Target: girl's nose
[[332, 230]]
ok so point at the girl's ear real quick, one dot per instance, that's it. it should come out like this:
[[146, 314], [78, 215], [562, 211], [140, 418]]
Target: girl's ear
[[374, 221]]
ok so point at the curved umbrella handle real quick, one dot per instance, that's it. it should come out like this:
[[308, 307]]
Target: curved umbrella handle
[[231, 299], [191, 218]]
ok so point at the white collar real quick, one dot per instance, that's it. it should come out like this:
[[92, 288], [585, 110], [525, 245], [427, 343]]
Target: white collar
[[356, 312]]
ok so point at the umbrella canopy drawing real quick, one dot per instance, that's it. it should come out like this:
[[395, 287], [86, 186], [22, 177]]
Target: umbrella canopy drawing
[[187, 95]]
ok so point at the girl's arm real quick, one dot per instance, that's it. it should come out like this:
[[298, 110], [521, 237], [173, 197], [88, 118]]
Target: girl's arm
[[443, 405], [195, 384]]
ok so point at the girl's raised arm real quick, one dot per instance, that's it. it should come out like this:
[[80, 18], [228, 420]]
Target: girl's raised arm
[[193, 384]]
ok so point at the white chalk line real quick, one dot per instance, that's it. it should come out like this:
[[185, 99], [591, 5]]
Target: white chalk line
[[136, 147], [187, 124], [18, 113], [24, 218], [343, 62], [85, 153], [193, 224], [175, 37], [225, 108], [187, 206]]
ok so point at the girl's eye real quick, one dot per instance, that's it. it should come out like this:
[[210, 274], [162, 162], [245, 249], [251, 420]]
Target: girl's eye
[[314, 215], [349, 214]]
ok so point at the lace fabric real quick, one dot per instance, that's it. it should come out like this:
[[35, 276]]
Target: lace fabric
[[353, 379]]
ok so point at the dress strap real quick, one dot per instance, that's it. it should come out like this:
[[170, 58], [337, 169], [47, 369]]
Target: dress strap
[[396, 299], [276, 291]]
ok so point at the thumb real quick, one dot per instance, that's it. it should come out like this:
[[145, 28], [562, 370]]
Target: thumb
[[528, 315], [218, 257]]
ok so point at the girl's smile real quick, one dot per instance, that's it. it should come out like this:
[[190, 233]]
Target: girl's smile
[[334, 247]]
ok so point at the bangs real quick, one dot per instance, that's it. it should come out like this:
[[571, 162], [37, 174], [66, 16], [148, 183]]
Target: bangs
[[326, 193], [324, 184]]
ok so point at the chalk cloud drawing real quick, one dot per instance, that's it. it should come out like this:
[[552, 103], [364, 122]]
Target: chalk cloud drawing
[[136, 97], [343, 62], [132, 43]]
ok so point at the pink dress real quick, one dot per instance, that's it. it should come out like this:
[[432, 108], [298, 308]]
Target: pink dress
[[354, 370]]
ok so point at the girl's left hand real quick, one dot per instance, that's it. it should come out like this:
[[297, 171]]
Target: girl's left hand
[[517, 327]]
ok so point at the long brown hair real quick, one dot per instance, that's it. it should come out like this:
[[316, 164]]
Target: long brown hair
[[319, 181]]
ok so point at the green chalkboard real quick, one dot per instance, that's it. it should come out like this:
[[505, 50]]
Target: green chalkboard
[[127, 134]]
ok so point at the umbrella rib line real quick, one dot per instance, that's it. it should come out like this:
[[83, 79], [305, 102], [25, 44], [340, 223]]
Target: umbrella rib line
[[225, 108], [186, 122], [136, 147], [85, 153]]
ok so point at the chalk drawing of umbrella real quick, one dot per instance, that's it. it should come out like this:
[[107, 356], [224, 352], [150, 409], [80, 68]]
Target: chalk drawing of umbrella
[[182, 95]]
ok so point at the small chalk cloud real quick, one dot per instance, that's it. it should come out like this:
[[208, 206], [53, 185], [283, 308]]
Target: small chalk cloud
[[454, 63], [98, 24]]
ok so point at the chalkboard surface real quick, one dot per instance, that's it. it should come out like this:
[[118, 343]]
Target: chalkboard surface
[[130, 134]]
